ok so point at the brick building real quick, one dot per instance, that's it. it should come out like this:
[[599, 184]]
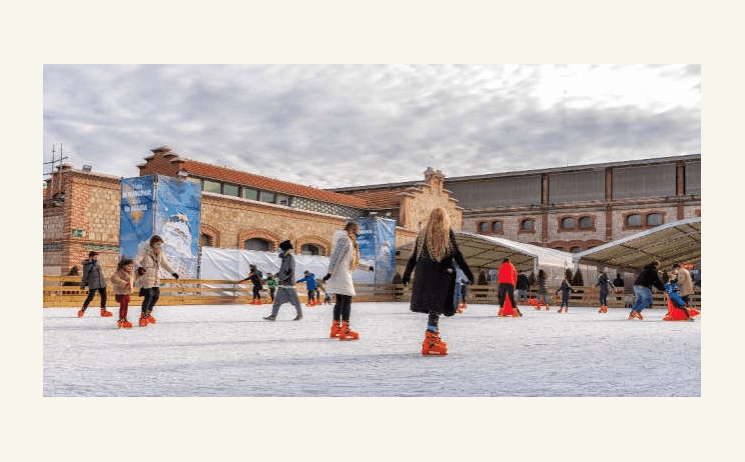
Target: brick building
[[238, 210]]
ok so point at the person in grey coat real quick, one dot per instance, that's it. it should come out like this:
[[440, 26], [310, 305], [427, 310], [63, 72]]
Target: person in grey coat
[[94, 279], [286, 291]]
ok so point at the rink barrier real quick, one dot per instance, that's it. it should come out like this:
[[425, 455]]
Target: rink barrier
[[225, 292]]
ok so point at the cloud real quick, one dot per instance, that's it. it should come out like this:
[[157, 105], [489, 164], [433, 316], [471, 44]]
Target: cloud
[[328, 125]]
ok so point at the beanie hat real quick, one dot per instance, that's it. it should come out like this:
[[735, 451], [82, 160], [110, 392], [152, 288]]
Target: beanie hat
[[285, 245]]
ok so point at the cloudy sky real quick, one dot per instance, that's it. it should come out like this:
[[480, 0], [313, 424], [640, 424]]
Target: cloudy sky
[[341, 125]]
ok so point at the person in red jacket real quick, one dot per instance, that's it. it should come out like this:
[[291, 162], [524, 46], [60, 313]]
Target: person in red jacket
[[507, 279]]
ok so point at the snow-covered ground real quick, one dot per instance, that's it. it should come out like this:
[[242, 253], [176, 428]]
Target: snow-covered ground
[[230, 351]]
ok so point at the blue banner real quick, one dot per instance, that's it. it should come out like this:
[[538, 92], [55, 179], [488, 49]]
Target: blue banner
[[177, 216], [136, 214], [377, 241]]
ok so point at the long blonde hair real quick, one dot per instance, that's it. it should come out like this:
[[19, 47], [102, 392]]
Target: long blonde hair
[[437, 234], [350, 229]]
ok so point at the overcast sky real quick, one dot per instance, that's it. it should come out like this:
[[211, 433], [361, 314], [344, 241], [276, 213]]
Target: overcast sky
[[341, 125]]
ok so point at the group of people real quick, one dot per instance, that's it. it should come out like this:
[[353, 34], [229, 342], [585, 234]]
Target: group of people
[[146, 276], [435, 256]]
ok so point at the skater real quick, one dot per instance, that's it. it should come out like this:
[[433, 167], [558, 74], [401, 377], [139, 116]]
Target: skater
[[566, 289], [542, 295], [522, 286], [310, 284], [148, 265], [93, 278], [286, 291], [507, 278], [684, 281], [255, 276], [605, 289], [433, 288], [643, 289], [344, 259], [272, 284], [121, 284]]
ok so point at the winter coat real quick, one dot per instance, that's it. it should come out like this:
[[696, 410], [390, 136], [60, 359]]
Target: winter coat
[[522, 282], [272, 283], [286, 274], [254, 277], [649, 277], [310, 281], [542, 286], [119, 281], [604, 284], [434, 282], [340, 265], [92, 275], [565, 289], [152, 264], [685, 283], [507, 274]]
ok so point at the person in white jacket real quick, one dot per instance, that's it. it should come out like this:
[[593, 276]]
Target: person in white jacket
[[344, 259], [148, 264]]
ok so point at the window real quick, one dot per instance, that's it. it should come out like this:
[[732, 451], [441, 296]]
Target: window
[[634, 220], [575, 249], [526, 225], [212, 186], [284, 200], [266, 196], [249, 193], [256, 244], [310, 249], [654, 219], [496, 226], [205, 240], [567, 223], [559, 248], [586, 223], [483, 227], [230, 190]]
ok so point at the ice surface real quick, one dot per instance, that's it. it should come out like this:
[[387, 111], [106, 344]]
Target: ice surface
[[231, 351]]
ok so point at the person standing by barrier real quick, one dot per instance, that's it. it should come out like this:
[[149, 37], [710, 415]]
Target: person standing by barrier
[[435, 252], [121, 285], [507, 278], [148, 264], [566, 289], [605, 289], [254, 276], [286, 291], [344, 259], [643, 289], [522, 287], [542, 294], [271, 283], [94, 279]]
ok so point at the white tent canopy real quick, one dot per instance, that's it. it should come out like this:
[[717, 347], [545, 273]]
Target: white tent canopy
[[676, 242]]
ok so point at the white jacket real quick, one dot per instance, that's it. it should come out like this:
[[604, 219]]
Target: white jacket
[[340, 265], [152, 265]]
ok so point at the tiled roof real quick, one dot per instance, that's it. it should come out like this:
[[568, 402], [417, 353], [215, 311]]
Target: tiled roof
[[381, 198], [225, 174]]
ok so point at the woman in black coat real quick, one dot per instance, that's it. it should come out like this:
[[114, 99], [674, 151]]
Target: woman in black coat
[[434, 281]]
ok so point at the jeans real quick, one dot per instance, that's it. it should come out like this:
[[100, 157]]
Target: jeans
[[522, 294], [643, 298]]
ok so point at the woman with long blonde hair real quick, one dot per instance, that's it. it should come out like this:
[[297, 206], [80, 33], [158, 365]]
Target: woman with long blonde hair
[[433, 290]]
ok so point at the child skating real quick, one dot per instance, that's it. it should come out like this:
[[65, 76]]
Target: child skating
[[121, 282], [565, 290]]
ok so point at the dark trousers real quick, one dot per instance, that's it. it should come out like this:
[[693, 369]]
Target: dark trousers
[[150, 296], [433, 321], [92, 293], [257, 293], [311, 295], [123, 305], [343, 307], [271, 293], [506, 289]]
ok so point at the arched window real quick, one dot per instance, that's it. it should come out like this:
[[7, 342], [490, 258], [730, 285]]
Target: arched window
[[256, 244], [634, 220], [575, 249], [586, 223], [205, 240], [483, 227], [654, 219], [567, 223], [496, 226], [527, 225], [310, 249]]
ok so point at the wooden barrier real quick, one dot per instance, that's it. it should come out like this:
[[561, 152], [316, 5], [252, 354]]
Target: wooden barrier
[[225, 292]]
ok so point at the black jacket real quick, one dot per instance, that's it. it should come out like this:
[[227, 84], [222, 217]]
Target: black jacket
[[434, 282], [649, 277], [522, 282]]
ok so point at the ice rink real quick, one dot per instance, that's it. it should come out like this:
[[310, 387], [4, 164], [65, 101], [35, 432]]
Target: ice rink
[[230, 351]]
